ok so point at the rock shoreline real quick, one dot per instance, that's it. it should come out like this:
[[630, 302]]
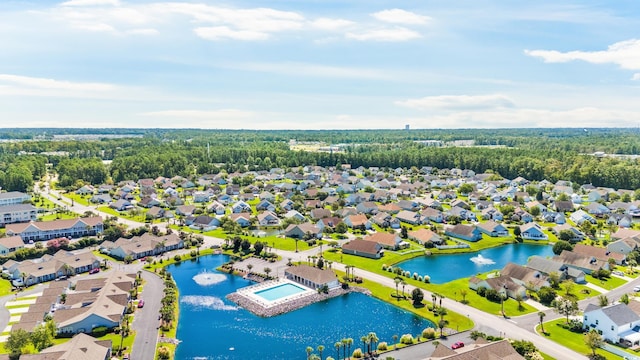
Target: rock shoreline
[[295, 304]]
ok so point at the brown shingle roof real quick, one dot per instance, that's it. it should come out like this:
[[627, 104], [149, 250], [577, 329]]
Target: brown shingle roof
[[313, 274]]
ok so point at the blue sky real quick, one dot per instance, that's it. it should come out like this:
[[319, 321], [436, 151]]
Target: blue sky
[[319, 64]]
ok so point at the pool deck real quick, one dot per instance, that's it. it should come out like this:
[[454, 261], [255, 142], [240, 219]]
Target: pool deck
[[247, 299]]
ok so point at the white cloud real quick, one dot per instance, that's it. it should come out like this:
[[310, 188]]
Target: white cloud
[[636, 76], [43, 83], [331, 24], [458, 102], [223, 33], [222, 114], [147, 31], [312, 70], [390, 34], [399, 16], [90, 3], [532, 118], [625, 54]]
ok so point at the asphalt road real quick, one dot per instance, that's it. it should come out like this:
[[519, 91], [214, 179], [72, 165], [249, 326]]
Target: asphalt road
[[146, 322]]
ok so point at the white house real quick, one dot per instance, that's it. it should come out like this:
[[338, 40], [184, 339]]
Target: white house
[[532, 231], [17, 213], [617, 323]]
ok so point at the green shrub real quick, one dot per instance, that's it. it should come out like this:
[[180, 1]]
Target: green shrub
[[427, 279], [406, 339], [429, 333], [177, 258], [99, 331], [357, 353], [382, 346]]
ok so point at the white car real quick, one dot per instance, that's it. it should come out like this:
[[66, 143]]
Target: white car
[[619, 273], [636, 289]]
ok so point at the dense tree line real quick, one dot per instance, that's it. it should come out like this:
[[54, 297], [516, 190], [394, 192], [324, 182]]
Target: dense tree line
[[535, 154]]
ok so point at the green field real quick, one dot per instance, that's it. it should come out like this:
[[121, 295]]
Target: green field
[[607, 283], [573, 341]]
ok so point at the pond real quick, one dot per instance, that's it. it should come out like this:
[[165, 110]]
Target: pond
[[448, 267], [211, 327]]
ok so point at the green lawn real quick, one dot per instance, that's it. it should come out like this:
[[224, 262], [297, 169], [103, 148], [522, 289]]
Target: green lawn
[[58, 216], [452, 290], [579, 291], [5, 287], [609, 284], [77, 198], [573, 341], [139, 218], [456, 321]]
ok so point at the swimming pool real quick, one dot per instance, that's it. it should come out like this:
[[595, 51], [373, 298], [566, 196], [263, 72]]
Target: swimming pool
[[279, 292]]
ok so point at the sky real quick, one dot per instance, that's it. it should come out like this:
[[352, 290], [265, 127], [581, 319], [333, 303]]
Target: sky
[[319, 64]]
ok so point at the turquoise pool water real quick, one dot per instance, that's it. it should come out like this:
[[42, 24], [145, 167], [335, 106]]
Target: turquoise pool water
[[211, 327], [279, 292]]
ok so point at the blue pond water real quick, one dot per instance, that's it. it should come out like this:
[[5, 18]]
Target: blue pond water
[[278, 292], [445, 268], [210, 325]]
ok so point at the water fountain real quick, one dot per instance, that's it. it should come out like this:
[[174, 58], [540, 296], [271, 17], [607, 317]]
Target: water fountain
[[480, 260], [207, 279]]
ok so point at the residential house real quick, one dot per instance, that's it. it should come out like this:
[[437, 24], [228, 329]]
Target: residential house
[[525, 276], [480, 350], [389, 241], [48, 267], [464, 232], [424, 236], [563, 206], [265, 205], [575, 234], [384, 220], [312, 277], [622, 220], [216, 208], [367, 207], [46, 230], [268, 218], [493, 229], [300, 231], [623, 246], [202, 196], [585, 263], [359, 247], [504, 285], [202, 222], [141, 246], [408, 205], [101, 199], [320, 213], [581, 216], [548, 266], [15, 213], [121, 205], [491, 213], [99, 302], [409, 217], [330, 222], [390, 208], [185, 210], [431, 214], [149, 202], [13, 197], [242, 219], [81, 346], [10, 244], [602, 254], [617, 323], [294, 214], [357, 221], [597, 209], [532, 231], [85, 190], [155, 212]]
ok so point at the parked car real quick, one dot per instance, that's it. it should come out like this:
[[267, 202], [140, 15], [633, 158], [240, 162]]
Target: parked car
[[636, 289], [457, 345], [140, 303], [617, 272], [94, 271]]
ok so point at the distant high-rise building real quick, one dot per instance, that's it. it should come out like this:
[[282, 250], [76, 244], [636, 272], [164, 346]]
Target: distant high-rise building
[[407, 127]]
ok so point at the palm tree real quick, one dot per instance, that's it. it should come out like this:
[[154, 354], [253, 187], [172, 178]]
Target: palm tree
[[397, 280], [395, 341], [441, 324], [337, 345], [541, 315], [349, 343], [320, 350], [364, 340], [403, 283], [441, 297], [373, 341], [344, 348], [434, 296], [267, 271], [249, 267], [309, 351], [632, 263]]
